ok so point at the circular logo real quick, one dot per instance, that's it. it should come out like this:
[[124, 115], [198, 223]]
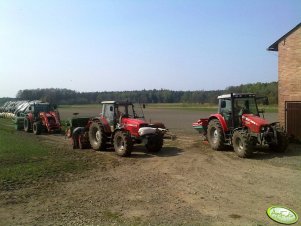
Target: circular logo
[[282, 215]]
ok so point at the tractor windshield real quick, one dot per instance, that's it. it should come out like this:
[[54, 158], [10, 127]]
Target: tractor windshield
[[129, 111], [42, 108], [245, 106]]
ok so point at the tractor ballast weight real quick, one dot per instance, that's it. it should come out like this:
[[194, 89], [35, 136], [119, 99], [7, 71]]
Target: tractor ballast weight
[[238, 124], [121, 127]]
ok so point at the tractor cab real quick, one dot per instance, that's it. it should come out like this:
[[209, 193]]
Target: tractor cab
[[233, 106], [114, 111]]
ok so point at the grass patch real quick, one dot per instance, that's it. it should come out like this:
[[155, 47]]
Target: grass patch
[[24, 159]]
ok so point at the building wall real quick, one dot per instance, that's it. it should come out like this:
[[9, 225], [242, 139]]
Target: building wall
[[289, 72]]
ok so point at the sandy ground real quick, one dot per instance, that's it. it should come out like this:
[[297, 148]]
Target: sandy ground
[[187, 183]]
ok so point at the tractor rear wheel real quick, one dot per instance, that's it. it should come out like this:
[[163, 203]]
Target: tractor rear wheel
[[154, 143], [97, 136], [27, 125], [123, 144], [215, 135], [37, 128], [241, 144], [282, 144]]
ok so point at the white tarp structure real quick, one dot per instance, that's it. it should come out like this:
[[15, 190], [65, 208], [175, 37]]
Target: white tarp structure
[[11, 109]]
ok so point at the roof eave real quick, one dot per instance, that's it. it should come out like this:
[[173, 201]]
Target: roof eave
[[274, 46]]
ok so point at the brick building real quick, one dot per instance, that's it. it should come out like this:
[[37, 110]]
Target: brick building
[[289, 80]]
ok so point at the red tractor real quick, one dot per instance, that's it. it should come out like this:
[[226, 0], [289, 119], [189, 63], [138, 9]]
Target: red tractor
[[118, 125], [40, 116], [239, 124]]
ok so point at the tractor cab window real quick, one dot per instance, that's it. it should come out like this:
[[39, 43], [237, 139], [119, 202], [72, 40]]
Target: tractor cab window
[[122, 110], [245, 106], [126, 111], [225, 106], [42, 108], [108, 113], [226, 110]]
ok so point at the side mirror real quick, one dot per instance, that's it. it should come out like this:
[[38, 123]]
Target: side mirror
[[29, 108], [111, 108]]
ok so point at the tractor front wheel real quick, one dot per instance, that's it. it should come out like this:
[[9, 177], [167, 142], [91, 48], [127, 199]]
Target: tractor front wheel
[[27, 125], [37, 128], [215, 135], [123, 144], [154, 143], [97, 136], [241, 144]]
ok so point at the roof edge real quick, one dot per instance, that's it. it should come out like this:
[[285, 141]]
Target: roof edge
[[274, 46]]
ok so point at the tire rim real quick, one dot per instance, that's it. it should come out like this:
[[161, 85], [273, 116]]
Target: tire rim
[[214, 135], [97, 136], [239, 144]]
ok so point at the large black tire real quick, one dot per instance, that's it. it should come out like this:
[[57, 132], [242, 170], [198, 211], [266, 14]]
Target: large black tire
[[242, 145], [97, 136], [37, 128], [154, 143], [215, 135], [282, 142], [27, 125], [123, 144]]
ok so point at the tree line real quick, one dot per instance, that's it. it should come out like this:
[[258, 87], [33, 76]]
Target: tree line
[[66, 96]]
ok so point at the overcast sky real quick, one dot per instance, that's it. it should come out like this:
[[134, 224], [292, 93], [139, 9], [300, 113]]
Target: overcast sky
[[116, 45]]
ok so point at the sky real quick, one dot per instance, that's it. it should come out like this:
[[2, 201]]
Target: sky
[[118, 45]]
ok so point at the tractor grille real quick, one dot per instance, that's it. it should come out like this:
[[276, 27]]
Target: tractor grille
[[51, 120], [268, 133]]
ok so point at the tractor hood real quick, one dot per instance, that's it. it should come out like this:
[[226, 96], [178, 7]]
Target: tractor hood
[[137, 123], [133, 125], [254, 122]]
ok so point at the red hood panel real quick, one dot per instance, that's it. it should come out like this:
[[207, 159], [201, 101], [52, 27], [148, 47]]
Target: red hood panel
[[254, 119], [132, 121]]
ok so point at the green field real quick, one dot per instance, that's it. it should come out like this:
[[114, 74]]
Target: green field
[[25, 159]]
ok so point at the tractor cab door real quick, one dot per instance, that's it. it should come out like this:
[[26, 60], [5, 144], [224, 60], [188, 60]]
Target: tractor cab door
[[225, 109], [108, 114]]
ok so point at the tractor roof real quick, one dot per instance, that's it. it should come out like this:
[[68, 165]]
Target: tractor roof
[[117, 102], [236, 95], [108, 102]]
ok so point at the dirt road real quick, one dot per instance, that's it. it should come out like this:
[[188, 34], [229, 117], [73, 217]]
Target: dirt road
[[186, 183]]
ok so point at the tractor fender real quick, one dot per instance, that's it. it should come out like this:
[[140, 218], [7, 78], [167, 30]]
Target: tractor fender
[[221, 119], [103, 122]]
